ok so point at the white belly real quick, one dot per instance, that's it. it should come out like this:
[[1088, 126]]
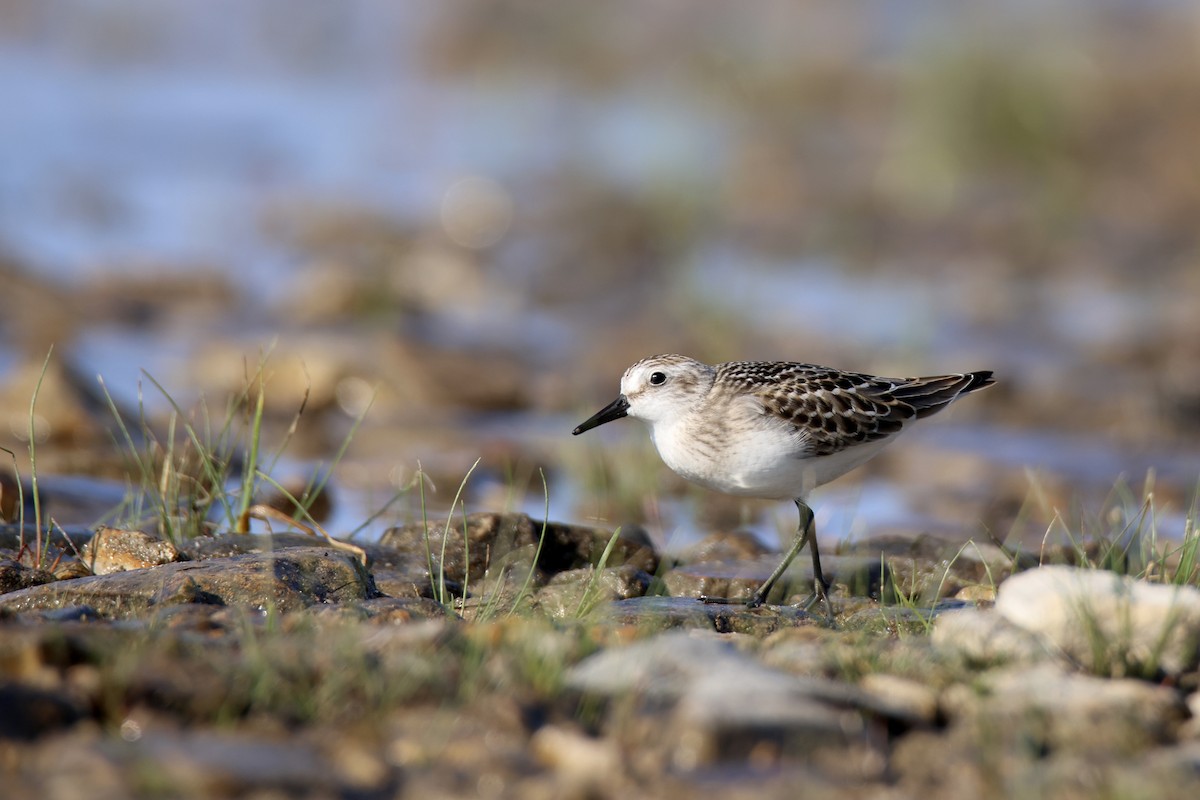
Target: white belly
[[759, 462]]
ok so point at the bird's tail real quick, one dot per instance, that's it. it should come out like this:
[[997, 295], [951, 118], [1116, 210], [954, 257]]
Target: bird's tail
[[930, 395]]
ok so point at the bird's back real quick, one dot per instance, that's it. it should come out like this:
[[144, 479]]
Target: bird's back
[[834, 410]]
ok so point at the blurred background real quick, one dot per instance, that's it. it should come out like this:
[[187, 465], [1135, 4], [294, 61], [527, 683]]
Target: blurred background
[[471, 217]]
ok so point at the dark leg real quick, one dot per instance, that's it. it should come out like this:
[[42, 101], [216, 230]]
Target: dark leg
[[820, 584], [805, 534]]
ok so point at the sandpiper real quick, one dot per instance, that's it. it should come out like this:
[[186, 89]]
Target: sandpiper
[[774, 429]]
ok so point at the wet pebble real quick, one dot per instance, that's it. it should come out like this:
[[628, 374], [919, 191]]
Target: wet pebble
[[116, 550], [576, 592]]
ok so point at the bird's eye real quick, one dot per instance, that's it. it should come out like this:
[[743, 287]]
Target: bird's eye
[[658, 378]]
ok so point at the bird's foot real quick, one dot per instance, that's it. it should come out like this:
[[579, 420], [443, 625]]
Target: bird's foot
[[820, 595], [754, 601]]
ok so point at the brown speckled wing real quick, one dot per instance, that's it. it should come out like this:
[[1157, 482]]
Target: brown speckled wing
[[837, 410]]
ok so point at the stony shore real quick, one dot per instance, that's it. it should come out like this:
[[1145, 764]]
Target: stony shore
[[279, 665]]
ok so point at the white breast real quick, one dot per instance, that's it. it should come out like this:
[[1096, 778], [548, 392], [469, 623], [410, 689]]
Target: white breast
[[766, 461]]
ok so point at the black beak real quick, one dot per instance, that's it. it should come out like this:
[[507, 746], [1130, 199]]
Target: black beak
[[614, 410]]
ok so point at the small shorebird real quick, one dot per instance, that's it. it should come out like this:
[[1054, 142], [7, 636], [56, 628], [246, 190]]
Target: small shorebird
[[773, 429]]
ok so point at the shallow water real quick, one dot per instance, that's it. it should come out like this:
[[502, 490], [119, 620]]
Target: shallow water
[[151, 140]]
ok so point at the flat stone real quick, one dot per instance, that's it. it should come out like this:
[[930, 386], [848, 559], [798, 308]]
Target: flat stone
[[285, 580], [224, 545], [719, 702], [230, 763]]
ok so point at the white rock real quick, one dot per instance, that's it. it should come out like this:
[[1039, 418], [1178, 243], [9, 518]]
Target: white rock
[[983, 637], [1108, 623]]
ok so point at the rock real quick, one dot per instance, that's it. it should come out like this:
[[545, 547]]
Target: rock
[[585, 763], [977, 593], [224, 763], [115, 550], [285, 580], [901, 699], [409, 583], [1111, 624], [715, 703], [1046, 707], [514, 537], [725, 546], [385, 610], [984, 638], [14, 576], [71, 568], [68, 613], [576, 592], [224, 545], [801, 650], [30, 712]]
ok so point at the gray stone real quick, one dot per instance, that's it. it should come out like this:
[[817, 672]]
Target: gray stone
[[286, 580], [493, 538], [577, 592], [720, 702]]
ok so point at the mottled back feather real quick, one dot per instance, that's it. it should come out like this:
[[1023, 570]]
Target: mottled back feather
[[836, 410]]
